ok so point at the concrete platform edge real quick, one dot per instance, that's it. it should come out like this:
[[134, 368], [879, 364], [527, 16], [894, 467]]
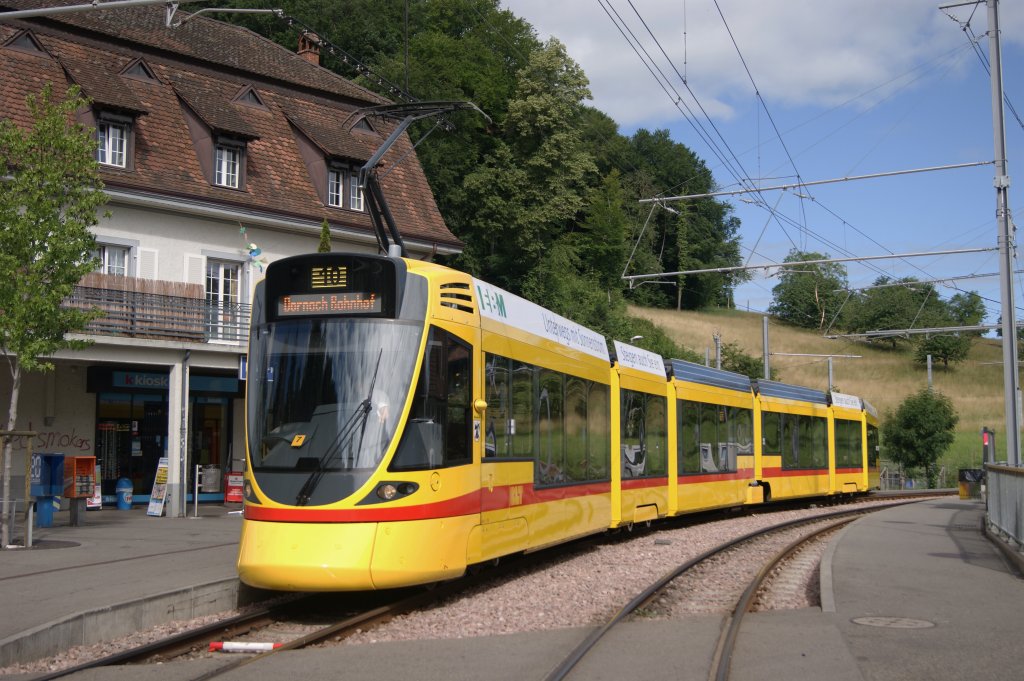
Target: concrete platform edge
[[120, 619], [826, 586]]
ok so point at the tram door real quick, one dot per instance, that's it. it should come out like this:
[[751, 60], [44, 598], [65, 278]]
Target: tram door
[[505, 473]]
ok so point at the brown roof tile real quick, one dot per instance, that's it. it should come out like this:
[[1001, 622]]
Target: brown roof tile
[[207, 63], [101, 83]]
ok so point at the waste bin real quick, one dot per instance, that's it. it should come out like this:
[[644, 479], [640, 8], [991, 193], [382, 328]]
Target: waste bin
[[124, 494], [970, 480]]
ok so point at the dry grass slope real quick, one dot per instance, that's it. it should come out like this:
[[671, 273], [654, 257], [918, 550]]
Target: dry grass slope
[[882, 376]]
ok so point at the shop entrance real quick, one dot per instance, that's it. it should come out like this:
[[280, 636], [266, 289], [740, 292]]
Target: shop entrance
[[132, 414], [209, 425], [131, 436]]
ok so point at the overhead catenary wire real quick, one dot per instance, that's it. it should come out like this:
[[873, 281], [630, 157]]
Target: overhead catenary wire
[[743, 179], [798, 263]]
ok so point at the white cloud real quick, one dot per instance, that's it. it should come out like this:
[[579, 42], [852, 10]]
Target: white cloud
[[800, 52]]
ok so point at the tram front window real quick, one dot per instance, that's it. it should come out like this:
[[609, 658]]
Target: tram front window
[[325, 397]]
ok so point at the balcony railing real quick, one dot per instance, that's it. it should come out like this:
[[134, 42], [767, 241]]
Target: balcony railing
[[139, 314]]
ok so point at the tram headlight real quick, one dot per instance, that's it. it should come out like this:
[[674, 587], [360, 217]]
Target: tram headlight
[[390, 491]]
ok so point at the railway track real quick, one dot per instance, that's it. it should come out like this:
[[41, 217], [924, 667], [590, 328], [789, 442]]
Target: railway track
[[280, 622], [722, 657]]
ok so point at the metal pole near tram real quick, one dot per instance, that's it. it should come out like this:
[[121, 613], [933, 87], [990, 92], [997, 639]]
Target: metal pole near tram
[[1011, 380]]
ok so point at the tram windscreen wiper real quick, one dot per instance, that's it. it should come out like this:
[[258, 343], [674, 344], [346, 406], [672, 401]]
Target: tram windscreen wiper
[[341, 441]]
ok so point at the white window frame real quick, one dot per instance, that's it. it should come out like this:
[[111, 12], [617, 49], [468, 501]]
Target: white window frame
[[336, 188], [112, 149], [114, 260], [223, 280], [355, 194], [116, 256], [227, 162]]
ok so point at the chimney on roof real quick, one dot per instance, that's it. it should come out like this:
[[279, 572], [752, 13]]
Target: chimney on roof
[[309, 47]]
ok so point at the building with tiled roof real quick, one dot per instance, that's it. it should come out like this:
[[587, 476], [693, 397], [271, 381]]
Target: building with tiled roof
[[220, 151]]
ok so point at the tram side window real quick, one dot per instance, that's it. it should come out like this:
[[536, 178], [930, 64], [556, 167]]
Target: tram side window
[[689, 436], [437, 434], [818, 456], [790, 441], [771, 433], [550, 467], [496, 435], [872, 446], [709, 438], [575, 429], [523, 412], [598, 431], [643, 435], [657, 436], [848, 444], [741, 430], [560, 421], [458, 442]]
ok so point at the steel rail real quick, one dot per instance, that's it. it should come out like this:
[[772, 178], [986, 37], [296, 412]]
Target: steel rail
[[566, 666], [176, 642], [722, 659]]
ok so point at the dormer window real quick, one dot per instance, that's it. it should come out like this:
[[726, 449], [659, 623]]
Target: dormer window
[[228, 157], [343, 188], [249, 97], [336, 189], [355, 195], [113, 139], [139, 70], [113, 144], [26, 42]]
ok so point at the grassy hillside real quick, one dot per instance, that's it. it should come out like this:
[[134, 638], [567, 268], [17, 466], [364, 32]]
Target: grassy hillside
[[883, 377]]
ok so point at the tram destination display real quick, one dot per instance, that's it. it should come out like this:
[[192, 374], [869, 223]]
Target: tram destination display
[[327, 285], [349, 302]]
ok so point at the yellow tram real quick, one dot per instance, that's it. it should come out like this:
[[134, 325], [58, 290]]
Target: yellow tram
[[406, 421]]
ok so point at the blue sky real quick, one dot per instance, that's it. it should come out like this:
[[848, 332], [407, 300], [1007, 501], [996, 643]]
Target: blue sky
[[855, 87]]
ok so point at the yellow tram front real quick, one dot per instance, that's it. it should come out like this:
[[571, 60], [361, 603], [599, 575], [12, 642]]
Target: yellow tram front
[[352, 411]]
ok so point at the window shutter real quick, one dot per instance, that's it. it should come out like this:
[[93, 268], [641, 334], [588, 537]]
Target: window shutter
[[195, 269], [147, 263]]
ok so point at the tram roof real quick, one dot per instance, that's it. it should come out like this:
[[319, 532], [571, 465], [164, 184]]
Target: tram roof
[[698, 373], [789, 392]]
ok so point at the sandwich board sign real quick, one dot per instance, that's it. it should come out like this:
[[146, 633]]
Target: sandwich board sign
[[159, 493]]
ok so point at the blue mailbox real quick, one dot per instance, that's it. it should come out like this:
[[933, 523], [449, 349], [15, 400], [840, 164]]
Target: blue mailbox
[[46, 484]]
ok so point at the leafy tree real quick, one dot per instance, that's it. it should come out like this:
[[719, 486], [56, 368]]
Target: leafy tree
[[919, 432], [896, 304], [51, 194], [948, 348], [600, 241], [963, 309], [706, 237], [734, 359], [967, 309], [325, 238], [531, 189], [809, 296]]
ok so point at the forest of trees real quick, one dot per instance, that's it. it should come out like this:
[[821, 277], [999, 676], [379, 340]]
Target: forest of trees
[[545, 194], [544, 191], [818, 297]]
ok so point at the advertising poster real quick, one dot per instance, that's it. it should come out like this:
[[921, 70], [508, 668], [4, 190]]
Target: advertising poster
[[95, 502], [159, 493]]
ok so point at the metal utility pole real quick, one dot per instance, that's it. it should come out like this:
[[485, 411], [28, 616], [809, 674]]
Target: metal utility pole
[[1011, 381], [767, 354]]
